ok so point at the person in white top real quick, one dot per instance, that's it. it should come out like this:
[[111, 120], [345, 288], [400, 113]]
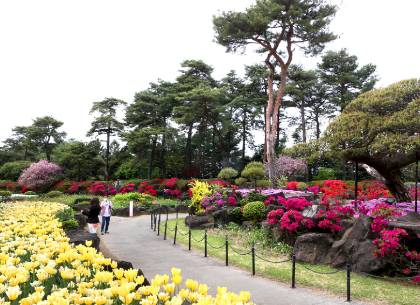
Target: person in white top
[[106, 206]]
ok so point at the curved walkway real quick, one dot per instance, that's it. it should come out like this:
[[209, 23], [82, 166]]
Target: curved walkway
[[132, 240]]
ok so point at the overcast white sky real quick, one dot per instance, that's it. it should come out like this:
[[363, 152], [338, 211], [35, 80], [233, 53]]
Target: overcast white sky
[[58, 57]]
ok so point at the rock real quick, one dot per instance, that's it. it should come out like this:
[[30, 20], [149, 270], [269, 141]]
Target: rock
[[313, 248], [273, 207], [207, 226], [77, 201], [285, 236], [137, 211], [410, 186], [309, 196], [81, 220], [351, 194], [222, 217], [182, 208], [197, 222], [79, 237], [247, 224], [412, 228], [410, 217], [357, 243], [191, 210], [310, 212], [79, 207], [345, 224]]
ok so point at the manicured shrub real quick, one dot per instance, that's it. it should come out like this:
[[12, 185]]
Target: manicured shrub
[[41, 176], [265, 184], [13, 170], [5, 193], [227, 173], [254, 171], [53, 194], [30, 193], [254, 211], [240, 181], [301, 186]]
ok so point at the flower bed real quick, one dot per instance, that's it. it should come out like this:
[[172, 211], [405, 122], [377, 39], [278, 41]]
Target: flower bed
[[39, 266]]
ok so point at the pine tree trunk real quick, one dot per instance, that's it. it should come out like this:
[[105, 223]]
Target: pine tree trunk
[[243, 139], [351, 171], [108, 135], [395, 185], [343, 168], [188, 153]]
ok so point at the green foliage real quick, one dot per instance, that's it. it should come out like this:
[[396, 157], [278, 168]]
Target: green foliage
[[237, 213], [252, 196], [227, 173], [53, 194], [254, 170], [30, 193], [301, 185], [254, 211], [128, 197], [64, 213], [325, 174], [12, 170], [5, 194], [281, 181], [148, 197], [265, 184], [320, 183], [240, 181], [68, 224]]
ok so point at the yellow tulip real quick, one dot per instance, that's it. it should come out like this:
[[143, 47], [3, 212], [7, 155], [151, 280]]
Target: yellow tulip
[[175, 271], [177, 279], [165, 278], [88, 243], [163, 296], [114, 265], [123, 291], [169, 288], [100, 300], [221, 290], [184, 293], [139, 280], [202, 289], [245, 296], [193, 285], [13, 293]]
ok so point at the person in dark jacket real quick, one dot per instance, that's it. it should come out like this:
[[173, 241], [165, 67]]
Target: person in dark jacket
[[93, 213]]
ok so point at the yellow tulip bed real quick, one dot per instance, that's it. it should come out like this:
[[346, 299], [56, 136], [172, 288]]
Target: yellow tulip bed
[[39, 266]]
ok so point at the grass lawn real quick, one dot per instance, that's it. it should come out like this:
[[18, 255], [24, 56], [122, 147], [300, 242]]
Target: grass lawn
[[369, 290]]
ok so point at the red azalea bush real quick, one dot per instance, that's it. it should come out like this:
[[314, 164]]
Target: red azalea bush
[[126, 189], [371, 190], [149, 190], [26, 189], [102, 188], [14, 187], [170, 184], [335, 188], [293, 186]]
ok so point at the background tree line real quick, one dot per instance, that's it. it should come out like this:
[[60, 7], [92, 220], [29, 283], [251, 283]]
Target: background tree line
[[196, 125]]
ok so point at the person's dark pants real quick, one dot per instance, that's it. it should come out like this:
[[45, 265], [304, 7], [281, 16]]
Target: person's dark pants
[[105, 220]]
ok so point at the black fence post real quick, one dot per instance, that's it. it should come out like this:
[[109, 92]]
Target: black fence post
[[176, 230], [167, 212], [160, 210], [176, 208], [189, 239], [205, 243], [166, 226], [227, 251], [253, 258], [158, 227], [151, 219], [417, 179], [155, 218], [293, 269], [348, 279]]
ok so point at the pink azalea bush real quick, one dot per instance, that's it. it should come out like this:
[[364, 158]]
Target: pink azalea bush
[[41, 176], [287, 166], [126, 189]]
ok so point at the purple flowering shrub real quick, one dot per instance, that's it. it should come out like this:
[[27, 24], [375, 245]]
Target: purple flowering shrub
[[289, 167], [41, 176]]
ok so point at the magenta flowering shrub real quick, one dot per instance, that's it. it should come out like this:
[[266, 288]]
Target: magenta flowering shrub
[[232, 201], [171, 183], [289, 167], [126, 189], [314, 189], [297, 204], [102, 189], [41, 176], [274, 216], [292, 219]]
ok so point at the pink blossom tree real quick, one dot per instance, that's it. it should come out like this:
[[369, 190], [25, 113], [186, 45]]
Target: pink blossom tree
[[41, 176], [289, 167]]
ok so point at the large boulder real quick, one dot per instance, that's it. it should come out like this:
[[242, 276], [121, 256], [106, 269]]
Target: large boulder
[[357, 243], [273, 207], [309, 196], [78, 200], [79, 207], [411, 224], [182, 208], [311, 211], [222, 217], [81, 220], [79, 237], [313, 248], [197, 222]]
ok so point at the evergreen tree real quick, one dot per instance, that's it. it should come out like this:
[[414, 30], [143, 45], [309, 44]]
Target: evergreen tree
[[106, 124], [277, 26]]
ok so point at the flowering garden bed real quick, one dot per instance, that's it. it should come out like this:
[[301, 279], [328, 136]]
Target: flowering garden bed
[[39, 266]]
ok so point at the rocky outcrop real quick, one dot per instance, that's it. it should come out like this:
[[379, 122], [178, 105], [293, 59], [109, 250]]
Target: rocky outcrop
[[198, 222], [81, 220], [357, 243], [79, 237], [313, 248], [79, 207], [309, 196], [411, 224], [223, 217]]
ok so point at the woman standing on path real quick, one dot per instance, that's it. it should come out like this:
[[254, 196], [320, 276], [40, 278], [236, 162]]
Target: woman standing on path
[[92, 214], [106, 207]]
